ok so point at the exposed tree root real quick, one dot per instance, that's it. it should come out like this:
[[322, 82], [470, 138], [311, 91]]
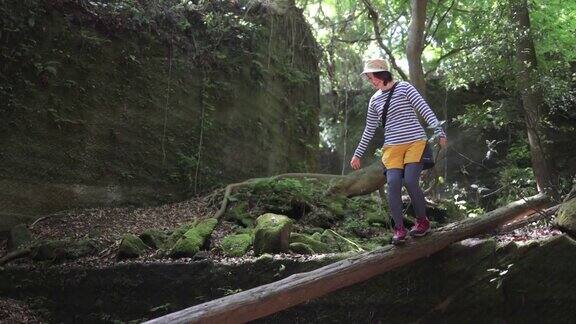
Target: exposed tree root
[[15, 255], [231, 187]]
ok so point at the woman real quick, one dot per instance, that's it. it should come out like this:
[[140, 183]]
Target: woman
[[404, 142]]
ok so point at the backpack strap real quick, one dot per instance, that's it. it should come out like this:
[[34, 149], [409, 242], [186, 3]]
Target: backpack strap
[[387, 105]]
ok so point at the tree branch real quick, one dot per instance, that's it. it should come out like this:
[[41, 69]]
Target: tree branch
[[439, 22], [431, 21], [373, 15], [448, 54]]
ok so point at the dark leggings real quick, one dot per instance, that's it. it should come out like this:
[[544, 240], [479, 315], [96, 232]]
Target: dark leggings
[[411, 175]]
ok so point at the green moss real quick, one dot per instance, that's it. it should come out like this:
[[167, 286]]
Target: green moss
[[314, 244], [82, 248], [131, 246], [236, 245], [566, 217], [272, 233], [338, 243], [193, 239], [186, 247], [451, 211], [376, 218], [265, 258], [239, 213], [177, 234], [336, 205], [154, 238], [356, 226], [301, 248]]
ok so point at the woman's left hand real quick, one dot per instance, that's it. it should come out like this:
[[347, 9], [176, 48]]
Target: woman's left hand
[[443, 142]]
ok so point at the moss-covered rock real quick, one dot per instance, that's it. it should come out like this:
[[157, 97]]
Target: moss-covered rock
[[314, 244], [60, 250], [131, 246], [376, 218], [338, 242], [192, 240], [272, 233], [236, 245], [154, 238], [177, 234], [566, 217], [239, 213], [301, 248], [19, 236]]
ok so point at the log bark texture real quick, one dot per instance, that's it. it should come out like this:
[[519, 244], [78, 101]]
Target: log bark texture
[[268, 299]]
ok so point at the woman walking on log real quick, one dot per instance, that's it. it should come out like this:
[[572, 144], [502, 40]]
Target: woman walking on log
[[395, 103]]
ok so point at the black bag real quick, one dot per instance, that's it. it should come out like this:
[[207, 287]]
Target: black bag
[[427, 156]]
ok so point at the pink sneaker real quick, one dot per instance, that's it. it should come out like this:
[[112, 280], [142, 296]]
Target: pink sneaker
[[421, 228], [399, 235]]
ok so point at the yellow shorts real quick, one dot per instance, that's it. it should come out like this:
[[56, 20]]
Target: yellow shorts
[[395, 156]]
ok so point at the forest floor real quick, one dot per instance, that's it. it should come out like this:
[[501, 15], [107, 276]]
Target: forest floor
[[14, 311], [108, 225]]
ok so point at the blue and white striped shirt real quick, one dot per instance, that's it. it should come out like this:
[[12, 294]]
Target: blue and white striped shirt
[[402, 124]]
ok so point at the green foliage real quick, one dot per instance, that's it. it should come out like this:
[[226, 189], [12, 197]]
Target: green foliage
[[516, 183], [356, 226], [489, 115]]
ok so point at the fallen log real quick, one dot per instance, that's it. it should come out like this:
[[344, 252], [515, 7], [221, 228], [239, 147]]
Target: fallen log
[[524, 220], [268, 299]]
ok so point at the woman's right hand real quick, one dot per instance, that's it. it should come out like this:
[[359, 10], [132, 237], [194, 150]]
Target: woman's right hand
[[355, 163]]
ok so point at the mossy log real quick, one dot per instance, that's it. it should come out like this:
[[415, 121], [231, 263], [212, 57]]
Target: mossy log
[[360, 182], [357, 183], [267, 299]]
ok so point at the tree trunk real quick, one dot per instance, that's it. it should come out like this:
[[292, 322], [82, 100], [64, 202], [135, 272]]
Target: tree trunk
[[532, 98], [268, 299], [415, 45]]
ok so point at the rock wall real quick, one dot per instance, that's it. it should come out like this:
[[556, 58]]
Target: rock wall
[[123, 103]]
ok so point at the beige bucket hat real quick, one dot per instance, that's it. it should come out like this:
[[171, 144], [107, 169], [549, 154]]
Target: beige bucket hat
[[374, 65]]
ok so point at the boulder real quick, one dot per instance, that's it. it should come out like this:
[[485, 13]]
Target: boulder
[[272, 233], [154, 238], [193, 239], [566, 217], [236, 245], [131, 246], [301, 248], [312, 244]]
